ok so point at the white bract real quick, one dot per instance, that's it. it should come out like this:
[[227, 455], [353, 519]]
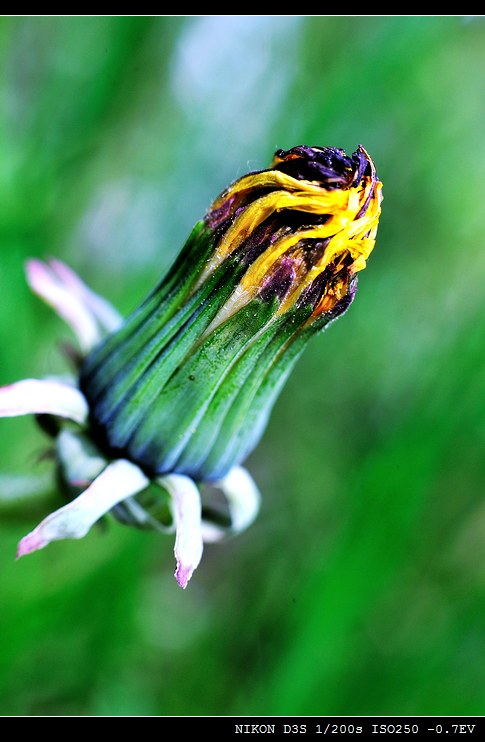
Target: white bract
[[108, 482]]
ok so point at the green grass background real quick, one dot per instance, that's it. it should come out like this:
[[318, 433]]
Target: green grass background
[[361, 587]]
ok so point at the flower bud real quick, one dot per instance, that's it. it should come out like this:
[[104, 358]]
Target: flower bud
[[187, 383], [178, 394]]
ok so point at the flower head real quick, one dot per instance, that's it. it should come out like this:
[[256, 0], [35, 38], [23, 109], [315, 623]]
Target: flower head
[[179, 393]]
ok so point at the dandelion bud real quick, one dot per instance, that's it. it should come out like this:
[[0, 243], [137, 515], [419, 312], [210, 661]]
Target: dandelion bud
[[187, 384], [180, 393]]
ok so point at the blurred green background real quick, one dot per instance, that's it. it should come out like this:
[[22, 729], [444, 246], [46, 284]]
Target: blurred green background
[[361, 587]]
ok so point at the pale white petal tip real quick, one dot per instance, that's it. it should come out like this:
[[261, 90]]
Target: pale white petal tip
[[89, 315], [186, 511], [38, 396], [102, 310], [244, 501], [243, 497], [120, 479], [35, 271], [183, 575], [32, 542]]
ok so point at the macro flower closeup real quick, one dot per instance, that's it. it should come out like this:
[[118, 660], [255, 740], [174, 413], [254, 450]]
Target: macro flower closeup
[[167, 404]]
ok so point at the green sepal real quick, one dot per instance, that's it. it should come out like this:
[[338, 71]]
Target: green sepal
[[194, 455], [128, 395], [104, 362], [173, 418], [246, 419]]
